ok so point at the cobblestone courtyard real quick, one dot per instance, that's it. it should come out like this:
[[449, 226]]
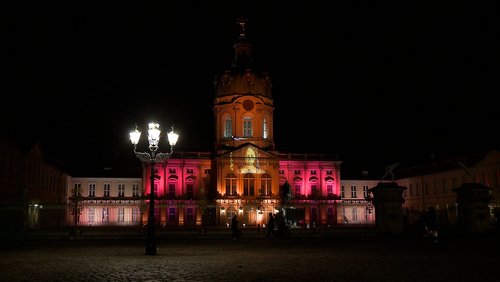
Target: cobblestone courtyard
[[257, 259]]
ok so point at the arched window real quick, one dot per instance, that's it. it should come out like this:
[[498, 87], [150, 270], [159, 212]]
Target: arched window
[[248, 184], [230, 184], [247, 126], [228, 127], [265, 184]]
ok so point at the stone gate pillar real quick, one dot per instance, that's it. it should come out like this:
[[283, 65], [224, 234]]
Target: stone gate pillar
[[388, 202], [473, 201]]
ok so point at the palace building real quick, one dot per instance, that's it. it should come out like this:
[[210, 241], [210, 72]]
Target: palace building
[[244, 175]]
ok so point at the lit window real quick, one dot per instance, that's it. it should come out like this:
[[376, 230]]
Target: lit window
[[92, 190], [264, 129], [107, 188], [228, 127], [248, 184], [247, 127], [121, 215], [231, 184], [121, 190]]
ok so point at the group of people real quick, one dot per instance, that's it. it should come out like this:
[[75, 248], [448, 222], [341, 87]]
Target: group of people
[[273, 221]]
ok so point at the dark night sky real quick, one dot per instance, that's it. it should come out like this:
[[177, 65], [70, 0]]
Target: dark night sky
[[374, 83]]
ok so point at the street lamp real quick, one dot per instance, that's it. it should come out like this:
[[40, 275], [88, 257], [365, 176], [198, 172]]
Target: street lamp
[[76, 211], [152, 158]]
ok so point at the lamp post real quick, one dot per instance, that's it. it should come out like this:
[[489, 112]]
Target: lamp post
[[76, 208], [152, 158]]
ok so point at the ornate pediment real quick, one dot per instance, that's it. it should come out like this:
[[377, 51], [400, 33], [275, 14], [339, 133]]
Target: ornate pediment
[[248, 158]]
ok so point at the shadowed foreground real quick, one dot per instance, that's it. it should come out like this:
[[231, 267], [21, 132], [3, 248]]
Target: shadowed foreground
[[223, 259]]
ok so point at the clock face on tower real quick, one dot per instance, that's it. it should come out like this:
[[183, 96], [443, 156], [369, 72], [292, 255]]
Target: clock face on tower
[[248, 105]]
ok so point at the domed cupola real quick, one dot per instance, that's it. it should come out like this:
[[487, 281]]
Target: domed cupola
[[241, 78]]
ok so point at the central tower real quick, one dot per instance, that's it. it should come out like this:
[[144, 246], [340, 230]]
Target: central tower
[[243, 105]]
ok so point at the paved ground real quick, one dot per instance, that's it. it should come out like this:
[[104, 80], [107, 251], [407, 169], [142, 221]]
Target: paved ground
[[253, 258]]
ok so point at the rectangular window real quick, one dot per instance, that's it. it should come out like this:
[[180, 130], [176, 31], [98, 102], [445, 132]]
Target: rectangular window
[[107, 188], [247, 127], [297, 172], [189, 215], [329, 215], [135, 190], [77, 189], [281, 171], [190, 191], [172, 170], [230, 186], [189, 171], [248, 186], [353, 192], [314, 215], [314, 189], [121, 190], [365, 191], [265, 186], [92, 190], [135, 215], [228, 128], [313, 172], [171, 215], [342, 191], [329, 172], [121, 214], [354, 214], [329, 190], [105, 215], [91, 215], [171, 191], [264, 128]]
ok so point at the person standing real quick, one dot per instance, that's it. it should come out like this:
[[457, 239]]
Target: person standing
[[234, 226], [270, 226]]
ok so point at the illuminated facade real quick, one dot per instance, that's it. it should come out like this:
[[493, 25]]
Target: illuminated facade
[[244, 175]]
